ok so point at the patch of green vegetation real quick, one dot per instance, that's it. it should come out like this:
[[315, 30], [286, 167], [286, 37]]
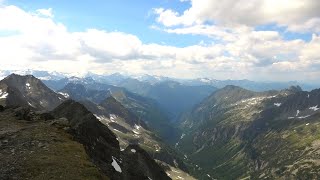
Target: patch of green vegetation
[[40, 151], [65, 159]]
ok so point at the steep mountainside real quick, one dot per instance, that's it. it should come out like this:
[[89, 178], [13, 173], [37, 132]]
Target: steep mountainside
[[102, 146], [132, 130], [176, 98], [79, 92], [28, 91], [237, 133], [172, 96], [144, 108]]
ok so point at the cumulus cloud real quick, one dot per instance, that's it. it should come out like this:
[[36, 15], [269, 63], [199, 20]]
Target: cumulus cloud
[[297, 15], [238, 53]]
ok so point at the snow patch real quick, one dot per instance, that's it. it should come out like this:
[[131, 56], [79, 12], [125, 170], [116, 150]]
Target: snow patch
[[182, 136], [270, 97], [277, 104], [300, 117], [117, 130], [308, 95], [176, 145], [112, 117], [307, 124], [66, 95], [3, 95], [298, 112], [116, 165], [137, 127], [314, 108], [133, 150], [205, 80], [98, 117], [30, 104], [303, 117]]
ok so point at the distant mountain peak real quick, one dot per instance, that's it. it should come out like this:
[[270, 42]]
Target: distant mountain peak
[[295, 88], [14, 76], [27, 90]]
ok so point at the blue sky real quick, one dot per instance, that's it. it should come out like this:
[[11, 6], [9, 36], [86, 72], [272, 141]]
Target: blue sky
[[134, 17], [263, 40]]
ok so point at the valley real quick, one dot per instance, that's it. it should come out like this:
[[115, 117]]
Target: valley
[[225, 133], [160, 90]]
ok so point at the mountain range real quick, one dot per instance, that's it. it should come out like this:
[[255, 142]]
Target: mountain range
[[150, 127], [69, 125]]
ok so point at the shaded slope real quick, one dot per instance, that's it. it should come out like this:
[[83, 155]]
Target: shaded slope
[[16, 90], [258, 135], [102, 146]]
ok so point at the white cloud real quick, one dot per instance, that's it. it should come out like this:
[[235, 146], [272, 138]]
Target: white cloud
[[242, 52], [294, 14], [107, 46]]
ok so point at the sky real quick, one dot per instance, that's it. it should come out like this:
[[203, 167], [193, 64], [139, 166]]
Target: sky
[[261, 40]]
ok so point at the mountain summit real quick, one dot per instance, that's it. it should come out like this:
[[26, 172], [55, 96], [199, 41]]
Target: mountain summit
[[16, 90]]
